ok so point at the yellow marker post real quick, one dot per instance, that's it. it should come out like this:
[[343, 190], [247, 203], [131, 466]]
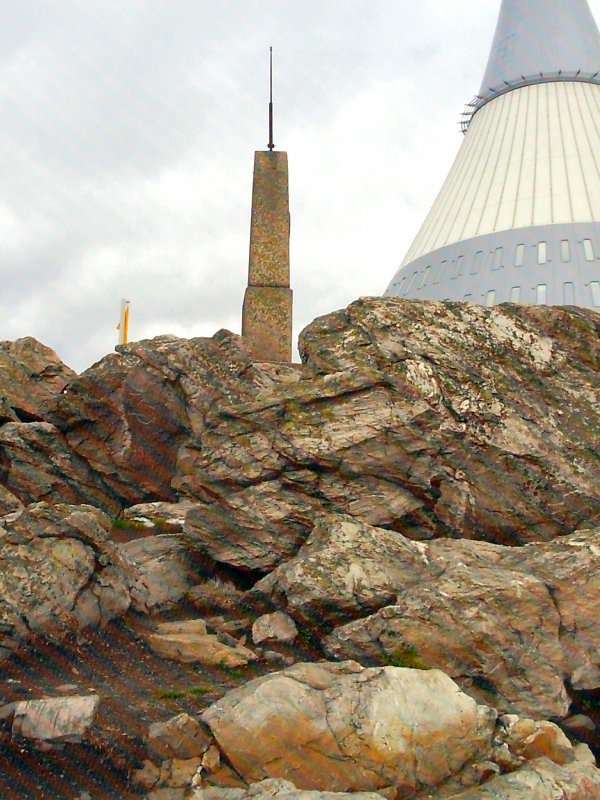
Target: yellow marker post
[[123, 326]]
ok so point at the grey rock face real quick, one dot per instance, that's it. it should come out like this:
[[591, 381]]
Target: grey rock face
[[508, 624], [110, 436], [55, 720], [162, 569], [128, 415], [30, 375], [431, 419], [36, 463], [59, 571]]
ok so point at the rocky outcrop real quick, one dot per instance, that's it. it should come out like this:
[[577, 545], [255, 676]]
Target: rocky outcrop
[[540, 780], [110, 436], [432, 419], [128, 415], [338, 727], [37, 464], [59, 572], [408, 496], [508, 624], [30, 375]]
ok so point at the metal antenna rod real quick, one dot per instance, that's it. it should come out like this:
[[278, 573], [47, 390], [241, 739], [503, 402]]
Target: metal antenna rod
[[270, 145]]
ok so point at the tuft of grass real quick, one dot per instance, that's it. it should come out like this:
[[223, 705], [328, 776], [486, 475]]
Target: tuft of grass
[[169, 694], [233, 672], [404, 656], [199, 691], [120, 523]]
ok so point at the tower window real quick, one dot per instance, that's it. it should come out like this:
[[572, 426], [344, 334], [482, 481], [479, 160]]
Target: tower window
[[440, 272], [458, 267], [515, 294], [595, 287], [541, 294], [490, 298], [519, 255], [477, 261], [498, 261], [569, 293], [542, 253], [588, 250], [426, 272], [565, 250], [467, 298], [410, 283]]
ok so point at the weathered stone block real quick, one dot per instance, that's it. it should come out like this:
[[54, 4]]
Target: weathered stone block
[[269, 263], [267, 323]]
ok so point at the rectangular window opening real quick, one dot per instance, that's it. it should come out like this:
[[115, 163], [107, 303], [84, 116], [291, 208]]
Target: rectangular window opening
[[588, 250], [515, 294], [409, 285], [595, 287], [541, 295], [569, 293], [519, 255], [542, 253], [498, 263], [490, 298], [565, 250], [440, 272], [426, 272], [477, 261], [458, 267]]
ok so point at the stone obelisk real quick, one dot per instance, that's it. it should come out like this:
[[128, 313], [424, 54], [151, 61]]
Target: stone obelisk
[[267, 309]]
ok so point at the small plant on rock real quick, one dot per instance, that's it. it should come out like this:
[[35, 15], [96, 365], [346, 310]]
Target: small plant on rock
[[404, 656]]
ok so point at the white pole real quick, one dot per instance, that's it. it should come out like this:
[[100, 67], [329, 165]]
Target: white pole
[[123, 326]]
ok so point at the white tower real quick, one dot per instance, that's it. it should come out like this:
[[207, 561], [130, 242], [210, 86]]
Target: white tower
[[518, 218]]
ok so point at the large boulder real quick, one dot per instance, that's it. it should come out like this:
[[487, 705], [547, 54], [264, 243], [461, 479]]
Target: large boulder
[[431, 419], [509, 624], [30, 375], [338, 727], [59, 572], [345, 570], [128, 414]]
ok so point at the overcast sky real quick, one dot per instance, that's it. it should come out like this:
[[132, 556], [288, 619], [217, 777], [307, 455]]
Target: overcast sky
[[127, 134]]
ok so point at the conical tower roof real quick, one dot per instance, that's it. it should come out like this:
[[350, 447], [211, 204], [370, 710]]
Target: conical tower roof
[[518, 217], [538, 40]]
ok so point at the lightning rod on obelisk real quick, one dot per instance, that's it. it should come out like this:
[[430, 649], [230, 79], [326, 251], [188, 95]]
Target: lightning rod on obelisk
[[271, 144]]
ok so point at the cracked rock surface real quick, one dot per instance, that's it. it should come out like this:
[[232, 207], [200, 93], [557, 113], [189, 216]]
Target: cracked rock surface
[[59, 572], [508, 624], [430, 419], [339, 727]]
